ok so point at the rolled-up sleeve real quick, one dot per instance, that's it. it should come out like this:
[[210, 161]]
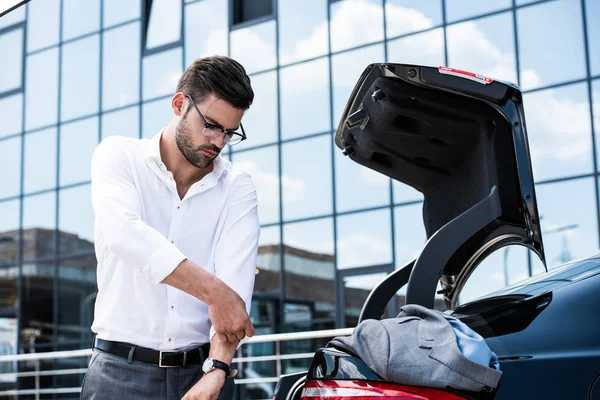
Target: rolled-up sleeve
[[117, 211], [236, 250]]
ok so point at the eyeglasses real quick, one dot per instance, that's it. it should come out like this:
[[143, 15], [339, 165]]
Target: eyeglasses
[[213, 131]]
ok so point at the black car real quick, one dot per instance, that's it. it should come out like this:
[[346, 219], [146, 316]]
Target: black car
[[460, 139]]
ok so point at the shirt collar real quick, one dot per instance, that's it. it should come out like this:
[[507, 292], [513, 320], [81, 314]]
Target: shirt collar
[[153, 153]]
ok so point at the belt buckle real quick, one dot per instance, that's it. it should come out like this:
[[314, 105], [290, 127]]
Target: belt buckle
[[160, 358]]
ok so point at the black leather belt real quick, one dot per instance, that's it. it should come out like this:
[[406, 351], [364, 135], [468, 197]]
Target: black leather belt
[[162, 358]]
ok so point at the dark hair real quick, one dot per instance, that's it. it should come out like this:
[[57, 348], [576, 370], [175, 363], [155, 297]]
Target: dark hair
[[220, 76]]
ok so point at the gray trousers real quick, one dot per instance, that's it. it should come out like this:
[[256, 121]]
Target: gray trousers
[[112, 377]]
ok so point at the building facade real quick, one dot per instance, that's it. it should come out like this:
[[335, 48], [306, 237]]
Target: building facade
[[75, 72]]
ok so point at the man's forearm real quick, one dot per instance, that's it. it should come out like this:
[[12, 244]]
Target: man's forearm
[[193, 280]]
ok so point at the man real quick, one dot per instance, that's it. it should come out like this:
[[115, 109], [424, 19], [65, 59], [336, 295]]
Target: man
[[176, 238]]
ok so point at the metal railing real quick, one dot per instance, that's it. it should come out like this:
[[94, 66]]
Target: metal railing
[[278, 357]]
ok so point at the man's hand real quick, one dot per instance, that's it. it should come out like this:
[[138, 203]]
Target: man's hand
[[227, 312], [208, 387]]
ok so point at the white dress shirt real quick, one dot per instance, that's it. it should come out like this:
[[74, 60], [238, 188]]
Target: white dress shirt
[[143, 231]]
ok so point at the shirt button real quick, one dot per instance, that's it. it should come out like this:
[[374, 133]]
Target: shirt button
[[169, 339], [172, 307], [178, 207]]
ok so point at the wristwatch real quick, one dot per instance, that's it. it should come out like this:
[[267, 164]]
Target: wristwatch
[[212, 363]]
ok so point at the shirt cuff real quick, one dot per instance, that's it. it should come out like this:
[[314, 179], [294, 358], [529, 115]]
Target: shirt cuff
[[163, 262]]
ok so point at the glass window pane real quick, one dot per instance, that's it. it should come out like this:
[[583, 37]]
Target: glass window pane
[[123, 123], [206, 29], [310, 268], [592, 10], [406, 16], [42, 24], [346, 69], [596, 111], [77, 143], [76, 217], [40, 160], [121, 66], [305, 100], [80, 17], [247, 43], [80, 78], [569, 226], [39, 223], [356, 292], [13, 17], [425, 48], [10, 165], [11, 51], [260, 120], [117, 11], [307, 189], [262, 165], [404, 193], [9, 231], [461, 9], [558, 126], [302, 30], [355, 22], [155, 116], [409, 233], [41, 89], [268, 259], [485, 46], [11, 115], [164, 26], [550, 55], [357, 186], [161, 73], [364, 239]]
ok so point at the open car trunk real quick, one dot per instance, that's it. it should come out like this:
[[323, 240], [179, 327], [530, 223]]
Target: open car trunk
[[460, 139]]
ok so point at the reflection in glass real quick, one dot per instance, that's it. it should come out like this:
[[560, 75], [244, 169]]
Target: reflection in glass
[[425, 48], [357, 186], [404, 193], [164, 26], [364, 239], [596, 111], [592, 9], [268, 262], [161, 73], [306, 178], [206, 29], [80, 71], [485, 46], [302, 29], [305, 103], [356, 292], [80, 17], [155, 116], [569, 225], [406, 16], [461, 9], [41, 87], [10, 161], [37, 309], [40, 160], [549, 55], [355, 22], [39, 224], [346, 69], [42, 24], [558, 125], [124, 122], [409, 233], [121, 66], [13, 17], [9, 231], [76, 220], [117, 11], [11, 49], [254, 47], [77, 143], [11, 115], [262, 165], [260, 120]]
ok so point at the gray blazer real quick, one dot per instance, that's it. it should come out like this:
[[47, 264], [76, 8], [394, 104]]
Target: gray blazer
[[419, 347]]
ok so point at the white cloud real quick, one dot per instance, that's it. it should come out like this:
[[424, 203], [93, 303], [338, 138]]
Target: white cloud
[[251, 50], [371, 177], [361, 248], [267, 185]]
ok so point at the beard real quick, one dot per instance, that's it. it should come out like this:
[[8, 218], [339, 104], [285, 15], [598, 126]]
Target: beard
[[192, 153]]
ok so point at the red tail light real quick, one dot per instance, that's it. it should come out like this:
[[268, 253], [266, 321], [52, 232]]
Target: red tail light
[[369, 390]]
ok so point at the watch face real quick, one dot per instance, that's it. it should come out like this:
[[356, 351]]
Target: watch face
[[208, 365]]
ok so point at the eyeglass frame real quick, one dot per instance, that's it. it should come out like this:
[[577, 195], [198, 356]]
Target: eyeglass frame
[[208, 125]]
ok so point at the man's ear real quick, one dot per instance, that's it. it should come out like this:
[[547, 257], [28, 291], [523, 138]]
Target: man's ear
[[178, 104]]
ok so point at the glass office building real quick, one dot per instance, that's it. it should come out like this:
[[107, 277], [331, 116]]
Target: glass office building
[[73, 73]]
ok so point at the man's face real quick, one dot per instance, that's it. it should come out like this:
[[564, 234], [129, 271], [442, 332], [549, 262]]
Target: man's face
[[198, 149]]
